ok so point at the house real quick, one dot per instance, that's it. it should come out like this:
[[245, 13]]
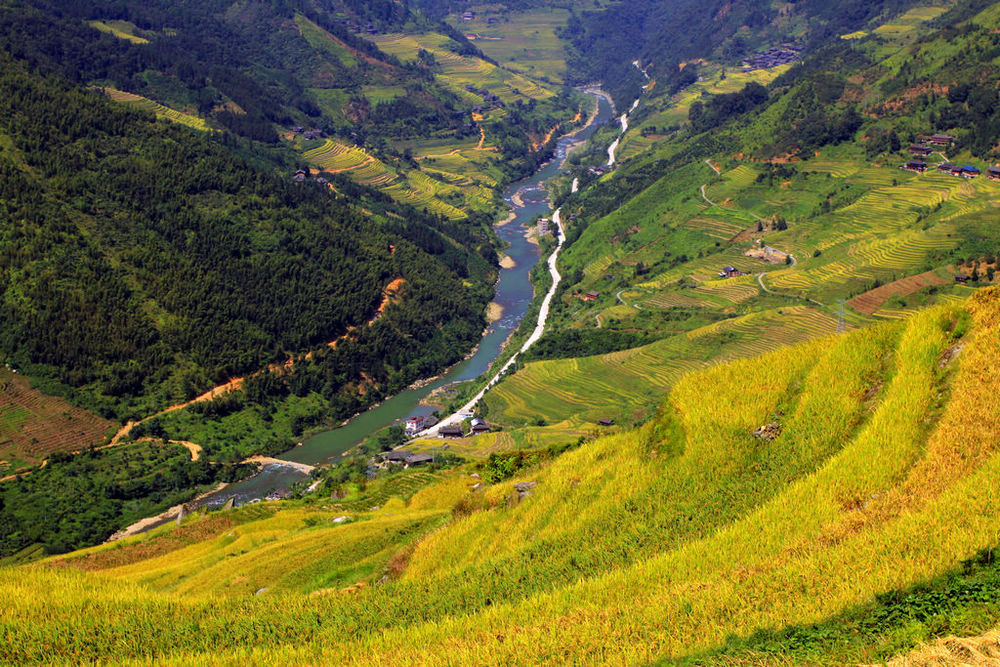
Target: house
[[962, 278], [968, 171], [948, 167], [730, 272], [396, 457], [312, 134], [941, 139], [993, 173], [468, 15], [920, 149], [605, 422], [419, 459], [918, 166], [407, 459], [543, 226], [300, 176], [415, 424], [479, 426], [591, 296], [454, 431]]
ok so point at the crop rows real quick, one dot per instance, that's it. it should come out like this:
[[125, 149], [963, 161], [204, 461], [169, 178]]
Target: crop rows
[[33, 425], [872, 300], [725, 228], [334, 155], [161, 111]]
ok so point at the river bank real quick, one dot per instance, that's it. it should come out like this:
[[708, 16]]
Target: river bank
[[514, 295]]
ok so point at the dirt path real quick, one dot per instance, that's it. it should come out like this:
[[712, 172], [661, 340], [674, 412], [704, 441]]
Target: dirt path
[[760, 276], [714, 168]]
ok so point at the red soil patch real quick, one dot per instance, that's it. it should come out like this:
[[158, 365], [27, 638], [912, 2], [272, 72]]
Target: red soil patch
[[872, 300], [33, 425]]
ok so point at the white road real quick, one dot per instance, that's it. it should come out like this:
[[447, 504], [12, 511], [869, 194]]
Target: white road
[[543, 315]]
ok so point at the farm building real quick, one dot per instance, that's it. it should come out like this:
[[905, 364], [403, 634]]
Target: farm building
[[453, 431], [920, 149], [940, 139], [605, 422], [480, 426], [406, 459], [993, 173], [918, 166], [730, 272]]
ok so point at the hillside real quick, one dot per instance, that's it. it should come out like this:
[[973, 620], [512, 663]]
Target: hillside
[[371, 91], [822, 228], [857, 526]]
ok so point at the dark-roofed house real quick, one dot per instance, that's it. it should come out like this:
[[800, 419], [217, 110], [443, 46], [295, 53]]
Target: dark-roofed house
[[961, 278], [993, 173], [941, 139], [453, 431], [480, 426], [730, 272], [396, 457], [918, 166], [407, 459], [948, 167], [920, 149], [605, 422]]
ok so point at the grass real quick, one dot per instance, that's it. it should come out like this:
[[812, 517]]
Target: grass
[[686, 539], [34, 425]]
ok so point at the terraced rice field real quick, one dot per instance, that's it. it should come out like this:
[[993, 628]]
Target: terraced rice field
[[522, 41], [719, 224], [402, 487], [872, 300], [336, 156], [120, 29], [622, 383], [33, 425], [379, 94], [161, 111], [459, 71]]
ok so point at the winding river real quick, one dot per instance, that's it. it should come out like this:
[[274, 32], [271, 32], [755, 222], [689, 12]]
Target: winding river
[[514, 294]]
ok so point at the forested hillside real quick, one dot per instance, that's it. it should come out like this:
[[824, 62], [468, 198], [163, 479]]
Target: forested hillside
[[145, 263]]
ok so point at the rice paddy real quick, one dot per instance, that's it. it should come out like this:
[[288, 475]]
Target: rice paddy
[[686, 537], [140, 102], [457, 71]]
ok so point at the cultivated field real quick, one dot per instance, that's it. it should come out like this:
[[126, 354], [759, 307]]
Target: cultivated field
[[161, 111], [34, 425], [857, 525]]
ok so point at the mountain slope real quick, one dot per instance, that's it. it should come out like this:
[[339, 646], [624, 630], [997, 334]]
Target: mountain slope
[[689, 534]]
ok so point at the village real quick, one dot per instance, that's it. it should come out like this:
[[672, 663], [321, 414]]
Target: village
[[927, 145]]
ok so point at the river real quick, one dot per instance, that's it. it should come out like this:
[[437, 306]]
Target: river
[[527, 199]]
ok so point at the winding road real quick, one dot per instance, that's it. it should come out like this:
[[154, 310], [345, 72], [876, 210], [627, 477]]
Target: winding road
[[760, 276], [462, 413]]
